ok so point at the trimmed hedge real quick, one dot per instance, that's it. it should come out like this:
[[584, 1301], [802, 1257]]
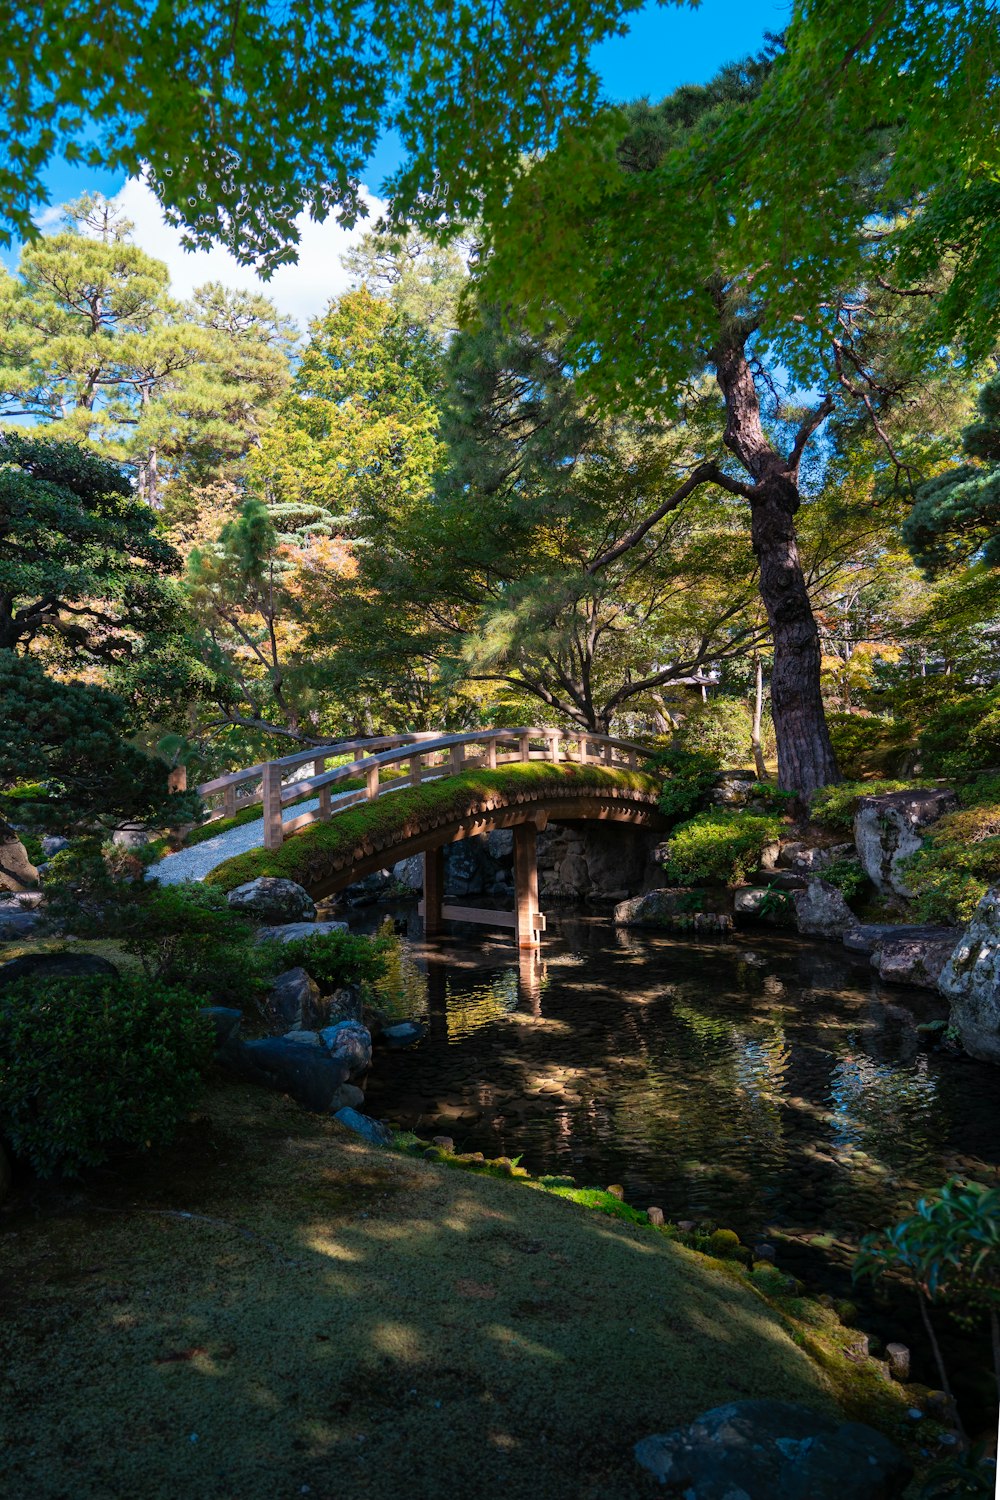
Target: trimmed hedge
[[389, 818]]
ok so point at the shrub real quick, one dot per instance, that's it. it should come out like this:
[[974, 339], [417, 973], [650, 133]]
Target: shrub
[[721, 729], [959, 861], [688, 777], [963, 737], [722, 844], [864, 744], [90, 1065], [835, 806], [335, 959], [848, 875]]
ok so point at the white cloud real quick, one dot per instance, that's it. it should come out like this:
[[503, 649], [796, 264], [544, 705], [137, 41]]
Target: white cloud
[[301, 291]]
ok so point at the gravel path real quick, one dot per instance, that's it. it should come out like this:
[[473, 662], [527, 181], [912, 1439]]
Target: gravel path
[[195, 863]]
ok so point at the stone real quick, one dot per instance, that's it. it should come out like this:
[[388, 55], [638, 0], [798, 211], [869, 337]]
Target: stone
[[970, 980], [43, 966], [271, 899], [348, 1096], [403, 1033], [345, 1004], [443, 1142], [409, 873], [6, 1173], [867, 936], [350, 1043], [290, 932], [500, 845], [131, 836], [654, 909], [809, 859], [305, 1070], [821, 911], [734, 788], [764, 1251], [226, 1021], [16, 923], [53, 844], [366, 892], [655, 1216], [889, 827], [916, 961], [762, 1450], [373, 1131], [898, 1359], [294, 1001], [17, 873]]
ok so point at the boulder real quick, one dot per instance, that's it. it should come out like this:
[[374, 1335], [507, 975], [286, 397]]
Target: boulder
[[821, 911], [42, 966], [131, 836], [403, 1034], [366, 892], [16, 923], [867, 936], [372, 1131], [17, 873], [409, 873], [226, 1021], [53, 844], [971, 981], [654, 909], [294, 1001], [764, 902], [344, 1004], [298, 1065], [809, 859], [271, 899], [351, 1044], [916, 961], [889, 827], [348, 1096], [762, 1450], [734, 788], [290, 932]]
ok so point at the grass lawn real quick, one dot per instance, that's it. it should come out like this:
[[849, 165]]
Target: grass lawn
[[270, 1310]]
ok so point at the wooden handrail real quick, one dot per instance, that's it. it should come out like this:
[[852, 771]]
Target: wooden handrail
[[412, 748]]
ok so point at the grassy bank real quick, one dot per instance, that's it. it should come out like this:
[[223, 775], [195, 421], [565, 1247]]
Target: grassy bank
[[378, 823], [270, 1306]]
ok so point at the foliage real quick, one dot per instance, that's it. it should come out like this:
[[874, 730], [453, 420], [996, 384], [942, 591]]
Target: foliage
[[959, 861], [325, 846], [848, 875], [180, 934], [963, 736], [835, 806], [863, 743], [88, 1066], [956, 517], [335, 959], [688, 777], [721, 729], [72, 737], [961, 1476], [721, 844], [949, 1251], [216, 108]]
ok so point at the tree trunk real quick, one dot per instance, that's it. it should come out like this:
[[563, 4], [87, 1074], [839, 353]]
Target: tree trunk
[[758, 713], [805, 756]]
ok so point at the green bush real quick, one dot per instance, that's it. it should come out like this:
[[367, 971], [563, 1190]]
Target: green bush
[[181, 934], [835, 806], [864, 744], [91, 1065], [959, 861], [721, 844], [963, 737], [721, 729], [688, 777], [848, 875], [335, 959]]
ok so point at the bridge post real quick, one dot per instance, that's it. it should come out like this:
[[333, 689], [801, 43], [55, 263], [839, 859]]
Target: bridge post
[[270, 796], [433, 891], [325, 805], [526, 885]]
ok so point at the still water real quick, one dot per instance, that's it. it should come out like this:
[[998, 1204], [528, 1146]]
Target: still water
[[764, 1084]]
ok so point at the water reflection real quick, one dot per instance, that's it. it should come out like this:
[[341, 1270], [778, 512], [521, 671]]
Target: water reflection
[[752, 1085]]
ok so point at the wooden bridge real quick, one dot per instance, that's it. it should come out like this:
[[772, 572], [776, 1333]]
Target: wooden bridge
[[389, 764]]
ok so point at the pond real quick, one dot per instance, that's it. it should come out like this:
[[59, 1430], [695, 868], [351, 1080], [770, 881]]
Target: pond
[[765, 1084]]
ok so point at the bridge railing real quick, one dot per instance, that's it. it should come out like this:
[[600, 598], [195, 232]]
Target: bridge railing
[[418, 757]]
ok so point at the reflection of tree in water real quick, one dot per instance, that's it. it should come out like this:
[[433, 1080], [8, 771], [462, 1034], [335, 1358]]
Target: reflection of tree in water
[[888, 1111], [470, 1007]]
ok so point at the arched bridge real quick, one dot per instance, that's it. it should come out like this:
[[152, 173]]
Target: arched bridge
[[402, 795]]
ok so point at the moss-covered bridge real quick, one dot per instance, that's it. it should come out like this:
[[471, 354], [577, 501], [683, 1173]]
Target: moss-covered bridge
[[413, 794]]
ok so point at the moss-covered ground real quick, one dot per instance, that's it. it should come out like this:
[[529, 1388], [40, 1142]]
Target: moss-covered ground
[[271, 1309], [451, 797]]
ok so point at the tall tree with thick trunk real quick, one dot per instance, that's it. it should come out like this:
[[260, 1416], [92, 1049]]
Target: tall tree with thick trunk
[[642, 252]]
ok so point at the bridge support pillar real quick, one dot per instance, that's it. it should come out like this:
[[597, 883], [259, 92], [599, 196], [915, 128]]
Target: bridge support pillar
[[433, 891], [528, 922]]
